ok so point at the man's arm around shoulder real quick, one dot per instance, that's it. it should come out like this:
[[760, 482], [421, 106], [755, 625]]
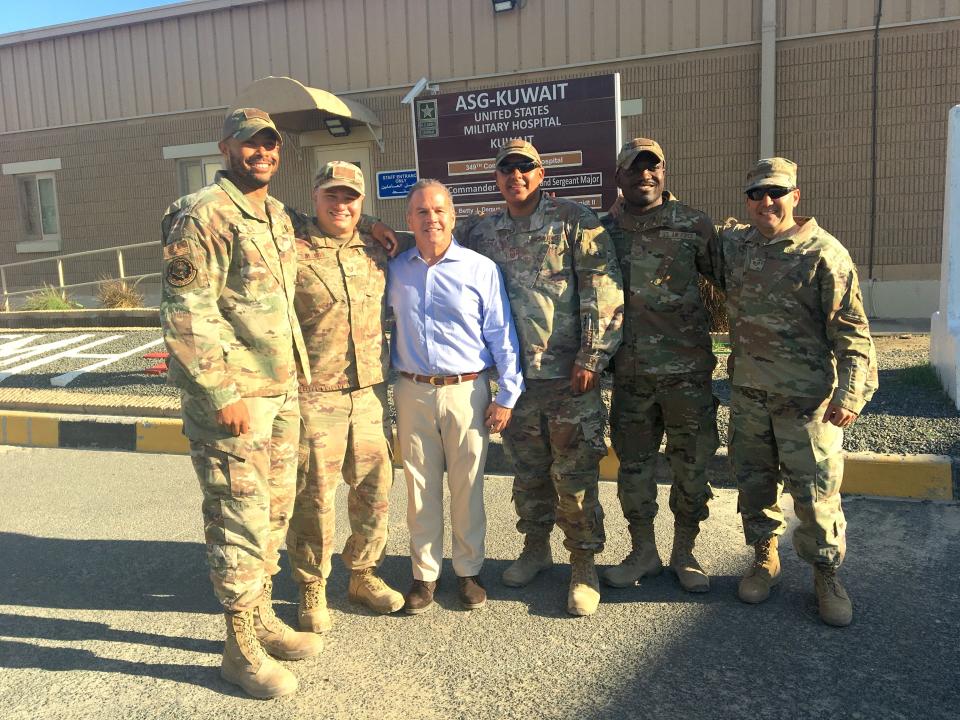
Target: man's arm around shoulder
[[600, 287]]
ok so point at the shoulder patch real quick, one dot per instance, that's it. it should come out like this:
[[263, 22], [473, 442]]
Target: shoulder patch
[[181, 271], [180, 247]]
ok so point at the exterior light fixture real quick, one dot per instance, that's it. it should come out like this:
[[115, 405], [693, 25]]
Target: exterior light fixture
[[503, 5], [336, 127]]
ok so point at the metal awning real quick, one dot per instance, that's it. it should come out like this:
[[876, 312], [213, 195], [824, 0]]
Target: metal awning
[[295, 107]]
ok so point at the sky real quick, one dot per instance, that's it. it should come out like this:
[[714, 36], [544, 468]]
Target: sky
[[29, 14]]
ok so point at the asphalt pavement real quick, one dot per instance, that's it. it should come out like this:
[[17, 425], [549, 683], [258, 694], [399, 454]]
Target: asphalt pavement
[[106, 612]]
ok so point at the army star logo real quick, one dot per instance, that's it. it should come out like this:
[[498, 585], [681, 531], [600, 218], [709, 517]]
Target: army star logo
[[181, 272]]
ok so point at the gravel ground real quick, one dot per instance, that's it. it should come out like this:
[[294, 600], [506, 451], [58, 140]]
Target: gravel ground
[[125, 376], [908, 414]]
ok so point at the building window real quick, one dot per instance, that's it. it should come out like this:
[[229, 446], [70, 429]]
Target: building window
[[37, 207], [39, 217], [197, 172]]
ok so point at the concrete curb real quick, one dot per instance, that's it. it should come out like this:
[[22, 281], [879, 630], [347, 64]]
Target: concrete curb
[[97, 317], [70, 402], [920, 477], [101, 432]]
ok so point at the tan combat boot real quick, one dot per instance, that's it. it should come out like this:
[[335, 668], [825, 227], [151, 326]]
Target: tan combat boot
[[763, 574], [584, 596], [832, 600], [643, 560], [278, 638], [312, 613], [246, 663], [534, 557], [367, 589], [688, 571]]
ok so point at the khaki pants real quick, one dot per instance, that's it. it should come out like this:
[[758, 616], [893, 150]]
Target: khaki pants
[[248, 485], [443, 427], [778, 440], [343, 439]]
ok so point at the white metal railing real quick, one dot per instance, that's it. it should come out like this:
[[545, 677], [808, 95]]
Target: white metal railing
[[121, 273]]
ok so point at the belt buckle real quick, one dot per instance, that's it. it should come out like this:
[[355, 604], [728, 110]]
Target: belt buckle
[[436, 380]]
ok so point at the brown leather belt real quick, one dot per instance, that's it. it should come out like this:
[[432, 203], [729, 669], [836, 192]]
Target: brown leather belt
[[440, 380]]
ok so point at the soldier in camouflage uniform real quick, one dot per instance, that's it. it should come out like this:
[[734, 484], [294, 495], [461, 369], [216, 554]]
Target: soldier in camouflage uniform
[[229, 325], [663, 368], [804, 365], [341, 281], [564, 285]]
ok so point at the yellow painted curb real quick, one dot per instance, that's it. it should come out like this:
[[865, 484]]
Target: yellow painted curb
[[920, 477], [924, 477], [29, 429], [609, 466], [395, 449], [162, 435]]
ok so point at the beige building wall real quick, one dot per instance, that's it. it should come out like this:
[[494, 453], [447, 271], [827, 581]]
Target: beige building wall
[[107, 96], [195, 59], [112, 190], [201, 54], [709, 140], [823, 122]]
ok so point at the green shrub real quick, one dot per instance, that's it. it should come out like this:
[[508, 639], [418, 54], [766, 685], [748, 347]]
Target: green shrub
[[49, 298]]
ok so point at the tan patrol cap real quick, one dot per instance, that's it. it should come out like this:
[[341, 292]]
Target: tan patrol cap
[[630, 150], [519, 147], [772, 172], [244, 123], [338, 173]]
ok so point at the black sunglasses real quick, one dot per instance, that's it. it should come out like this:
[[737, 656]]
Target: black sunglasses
[[638, 167], [524, 167], [774, 193]]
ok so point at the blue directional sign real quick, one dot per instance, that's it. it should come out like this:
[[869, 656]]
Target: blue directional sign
[[394, 184]]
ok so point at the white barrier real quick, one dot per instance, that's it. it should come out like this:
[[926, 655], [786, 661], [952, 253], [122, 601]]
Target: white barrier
[[945, 323]]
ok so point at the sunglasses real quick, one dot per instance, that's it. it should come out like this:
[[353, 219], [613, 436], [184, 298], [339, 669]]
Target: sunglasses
[[641, 166], [524, 167], [775, 193]]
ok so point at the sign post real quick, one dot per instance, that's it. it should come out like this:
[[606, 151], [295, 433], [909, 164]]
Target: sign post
[[574, 124]]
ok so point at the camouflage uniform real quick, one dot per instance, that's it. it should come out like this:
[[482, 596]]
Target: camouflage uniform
[[800, 341], [229, 326], [339, 300], [564, 286], [663, 368]]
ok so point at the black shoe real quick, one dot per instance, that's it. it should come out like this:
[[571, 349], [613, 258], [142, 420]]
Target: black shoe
[[420, 597], [472, 594]]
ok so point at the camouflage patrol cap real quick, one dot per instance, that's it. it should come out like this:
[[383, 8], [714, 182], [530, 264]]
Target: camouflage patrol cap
[[338, 173], [243, 123], [630, 150], [772, 172], [519, 147]]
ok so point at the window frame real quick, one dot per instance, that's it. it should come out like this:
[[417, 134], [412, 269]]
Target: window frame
[[184, 162], [46, 242]]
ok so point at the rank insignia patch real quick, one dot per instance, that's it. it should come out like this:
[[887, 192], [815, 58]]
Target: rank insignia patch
[[181, 272]]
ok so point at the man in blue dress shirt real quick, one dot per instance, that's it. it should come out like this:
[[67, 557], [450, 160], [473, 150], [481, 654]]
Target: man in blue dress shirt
[[453, 323]]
